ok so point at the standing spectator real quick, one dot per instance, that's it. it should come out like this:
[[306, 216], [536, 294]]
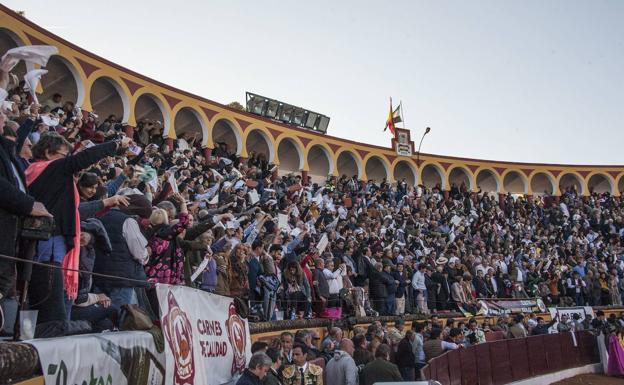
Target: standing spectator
[[420, 289], [417, 348], [400, 276], [129, 253], [297, 291], [517, 330], [341, 368], [405, 359], [391, 287], [542, 327], [273, 377], [576, 286], [15, 204], [380, 369], [254, 270], [321, 287], [361, 354], [51, 180]]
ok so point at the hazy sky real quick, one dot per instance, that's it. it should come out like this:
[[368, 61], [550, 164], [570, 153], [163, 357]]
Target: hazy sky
[[539, 81]]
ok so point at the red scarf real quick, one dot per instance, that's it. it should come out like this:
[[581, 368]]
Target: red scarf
[[71, 259]]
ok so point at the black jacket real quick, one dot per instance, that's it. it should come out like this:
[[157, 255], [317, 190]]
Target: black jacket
[[481, 287], [401, 287], [248, 378], [55, 187], [119, 262], [99, 240], [322, 287], [405, 355], [13, 202]]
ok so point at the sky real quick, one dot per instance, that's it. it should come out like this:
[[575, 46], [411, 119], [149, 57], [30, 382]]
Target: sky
[[531, 81]]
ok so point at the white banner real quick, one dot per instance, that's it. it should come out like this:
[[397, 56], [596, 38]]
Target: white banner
[[582, 311], [104, 359], [206, 342]]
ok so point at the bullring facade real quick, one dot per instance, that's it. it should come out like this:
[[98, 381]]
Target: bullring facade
[[98, 85]]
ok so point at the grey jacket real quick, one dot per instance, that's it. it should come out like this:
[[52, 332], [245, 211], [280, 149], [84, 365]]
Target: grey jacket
[[341, 370]]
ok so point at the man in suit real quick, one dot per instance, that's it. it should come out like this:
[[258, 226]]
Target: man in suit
[[494, 284], [273, 376], [444, 289], [302, 372], [480, 285], [380, 369]]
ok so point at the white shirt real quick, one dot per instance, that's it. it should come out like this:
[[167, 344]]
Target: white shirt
[[137, 244], [334, 280], [418, 281]]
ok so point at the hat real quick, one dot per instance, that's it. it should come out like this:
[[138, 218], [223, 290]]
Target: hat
[[231, 225], [441, 261], [214, 200], [386, 262]]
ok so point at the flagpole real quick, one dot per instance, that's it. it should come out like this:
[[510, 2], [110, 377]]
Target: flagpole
[[402, 117]]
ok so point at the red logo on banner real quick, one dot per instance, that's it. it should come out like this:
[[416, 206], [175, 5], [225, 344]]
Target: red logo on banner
[[179, 334], [238, 339]]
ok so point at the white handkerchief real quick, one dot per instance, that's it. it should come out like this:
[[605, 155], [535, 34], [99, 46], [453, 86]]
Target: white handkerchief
[[200, 269], [35, 54], [31, 80]]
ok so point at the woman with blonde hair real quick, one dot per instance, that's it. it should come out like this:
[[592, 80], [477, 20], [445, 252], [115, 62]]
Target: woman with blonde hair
[[159, 217]]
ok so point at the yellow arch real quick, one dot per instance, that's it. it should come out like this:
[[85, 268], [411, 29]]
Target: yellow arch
[[331, 157], [119, 85], [527, 184], [411, 164], [384, 161], [609, 178], [266, 135], [358, 161], [580, 179], [471, 178], [199, 114], [497, 178], [551, 178], [438, 167], [236, 128], [303, 159]]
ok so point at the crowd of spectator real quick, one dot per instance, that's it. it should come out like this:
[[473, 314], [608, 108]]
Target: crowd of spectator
[[383, 353], [141, 210]]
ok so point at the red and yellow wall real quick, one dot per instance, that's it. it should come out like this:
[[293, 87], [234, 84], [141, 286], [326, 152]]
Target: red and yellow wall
[[99, 85]]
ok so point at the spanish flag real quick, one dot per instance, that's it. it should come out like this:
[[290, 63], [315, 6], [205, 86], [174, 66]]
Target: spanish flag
[[393, 117]]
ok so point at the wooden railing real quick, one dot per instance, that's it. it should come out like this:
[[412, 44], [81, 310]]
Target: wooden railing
[[505, 361]]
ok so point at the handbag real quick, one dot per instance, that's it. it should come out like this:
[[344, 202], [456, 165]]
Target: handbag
[[133, 317]]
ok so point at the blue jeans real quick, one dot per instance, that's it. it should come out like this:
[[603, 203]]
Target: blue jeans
[[119, 296], [98, 315], [390, 304]]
